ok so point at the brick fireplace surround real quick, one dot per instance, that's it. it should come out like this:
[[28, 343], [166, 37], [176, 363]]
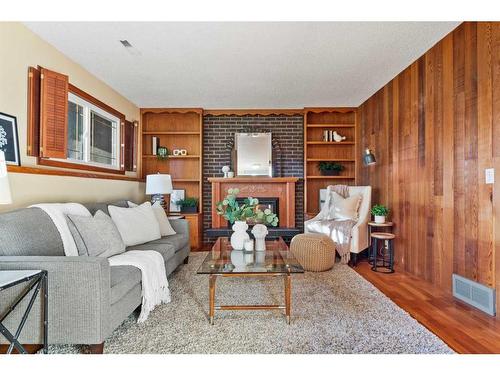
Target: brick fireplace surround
[[219, 130]]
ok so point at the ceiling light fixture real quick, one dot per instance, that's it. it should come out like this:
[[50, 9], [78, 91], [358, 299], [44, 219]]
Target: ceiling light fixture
[[130, 48]]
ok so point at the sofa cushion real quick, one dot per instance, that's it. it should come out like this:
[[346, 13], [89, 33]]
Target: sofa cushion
[[178, 241], [29, 231], [123, 279], [165, 249], [94, 207], [95, 236], [136, 225], [165, 226]]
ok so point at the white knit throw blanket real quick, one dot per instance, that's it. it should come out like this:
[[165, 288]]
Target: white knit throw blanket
[[154, 280], [57, 212], [340, 230]]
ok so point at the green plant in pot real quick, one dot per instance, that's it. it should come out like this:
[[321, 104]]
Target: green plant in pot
[[161, 153], [232, 211], [329, 168], [188, 205], [238, 215], [380, 212]]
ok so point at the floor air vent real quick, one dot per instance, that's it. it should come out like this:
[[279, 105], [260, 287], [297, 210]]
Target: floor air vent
[[474, 294]]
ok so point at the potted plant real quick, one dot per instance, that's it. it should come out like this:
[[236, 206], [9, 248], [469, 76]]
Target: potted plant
[[380, 212], [237, 214], [188, 205], [161, 153], [328, 168]]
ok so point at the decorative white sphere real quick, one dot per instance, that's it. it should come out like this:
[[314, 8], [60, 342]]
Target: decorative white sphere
[[225, 169]]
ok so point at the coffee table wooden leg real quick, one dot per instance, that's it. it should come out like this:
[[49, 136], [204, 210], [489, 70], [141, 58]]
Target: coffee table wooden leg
[[288, 297], [211, 298]]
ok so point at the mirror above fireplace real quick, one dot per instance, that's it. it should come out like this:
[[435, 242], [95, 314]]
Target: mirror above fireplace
[[253, 154]]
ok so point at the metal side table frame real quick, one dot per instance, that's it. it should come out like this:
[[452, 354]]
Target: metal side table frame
[[38, 280], [380, 228]]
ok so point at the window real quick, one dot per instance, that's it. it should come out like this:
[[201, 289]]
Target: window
[[93, 134], [70, 128]]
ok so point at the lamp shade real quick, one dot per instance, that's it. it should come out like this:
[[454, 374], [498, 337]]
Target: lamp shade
[[5, 196], [158, 184], [368, 157]]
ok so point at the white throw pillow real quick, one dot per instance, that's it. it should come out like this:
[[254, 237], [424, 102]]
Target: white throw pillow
[[137, 225], [344, 208], [165, 226]]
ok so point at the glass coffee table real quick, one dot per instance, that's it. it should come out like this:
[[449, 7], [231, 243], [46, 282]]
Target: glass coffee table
[[223, 261]]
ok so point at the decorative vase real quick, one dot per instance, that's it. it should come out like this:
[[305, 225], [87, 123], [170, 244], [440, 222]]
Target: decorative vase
[[259, 231], [240, 235], [260, 259], [238, 260], [379, 219]]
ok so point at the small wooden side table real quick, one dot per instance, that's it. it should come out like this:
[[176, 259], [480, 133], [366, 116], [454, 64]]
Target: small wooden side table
[[379, 227]]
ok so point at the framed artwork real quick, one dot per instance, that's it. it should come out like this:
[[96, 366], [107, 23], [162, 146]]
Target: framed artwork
[[177, 195], [9, 141]]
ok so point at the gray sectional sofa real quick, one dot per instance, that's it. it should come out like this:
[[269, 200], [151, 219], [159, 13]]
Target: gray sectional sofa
[[88, 298]]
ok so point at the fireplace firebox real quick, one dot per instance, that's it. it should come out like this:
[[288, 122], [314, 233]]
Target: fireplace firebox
[[264, 203]]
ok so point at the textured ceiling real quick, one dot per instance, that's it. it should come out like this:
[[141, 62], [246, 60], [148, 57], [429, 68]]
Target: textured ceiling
[[244, 64]]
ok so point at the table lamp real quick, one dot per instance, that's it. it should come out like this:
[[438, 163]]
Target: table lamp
[[5, 196], [157, 185]]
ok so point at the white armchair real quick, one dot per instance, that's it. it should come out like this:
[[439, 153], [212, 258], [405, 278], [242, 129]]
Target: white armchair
[[359, 234]]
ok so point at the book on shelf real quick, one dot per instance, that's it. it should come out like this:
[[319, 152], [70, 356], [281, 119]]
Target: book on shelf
[[155, 142]]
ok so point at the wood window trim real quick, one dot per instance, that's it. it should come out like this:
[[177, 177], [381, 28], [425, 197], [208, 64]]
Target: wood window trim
[[86, 167], [33, 134], [59, 172], [89, 98]]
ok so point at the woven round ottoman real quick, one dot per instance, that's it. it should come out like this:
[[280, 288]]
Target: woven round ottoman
[[314, 251]]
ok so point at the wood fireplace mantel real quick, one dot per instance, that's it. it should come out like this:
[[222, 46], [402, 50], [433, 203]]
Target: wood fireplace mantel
[[282, 188]]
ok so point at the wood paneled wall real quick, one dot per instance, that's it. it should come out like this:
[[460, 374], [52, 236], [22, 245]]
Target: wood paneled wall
[[434, 129]]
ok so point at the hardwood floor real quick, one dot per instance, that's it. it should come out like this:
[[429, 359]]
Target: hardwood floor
[[463, 328]]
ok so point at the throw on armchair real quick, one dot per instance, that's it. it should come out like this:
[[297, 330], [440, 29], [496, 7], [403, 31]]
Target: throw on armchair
[[359, 232]]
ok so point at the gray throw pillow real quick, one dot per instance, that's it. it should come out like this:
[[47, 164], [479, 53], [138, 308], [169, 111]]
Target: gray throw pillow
[[96, 236]]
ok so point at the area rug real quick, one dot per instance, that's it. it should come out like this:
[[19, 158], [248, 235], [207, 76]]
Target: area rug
[[332, 312]]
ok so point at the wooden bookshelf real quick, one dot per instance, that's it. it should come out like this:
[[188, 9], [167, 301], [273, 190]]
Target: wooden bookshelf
[[316, 120], [176, 128]]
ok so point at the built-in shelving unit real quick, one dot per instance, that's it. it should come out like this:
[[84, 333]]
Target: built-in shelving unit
[[316, 121], [177, 128]]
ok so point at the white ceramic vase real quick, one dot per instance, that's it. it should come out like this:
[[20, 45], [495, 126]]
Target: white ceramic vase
[[379, 219], [259, 231], [238, 260], [239, 235]]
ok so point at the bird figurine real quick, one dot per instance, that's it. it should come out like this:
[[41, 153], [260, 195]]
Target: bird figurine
[[337, 137]]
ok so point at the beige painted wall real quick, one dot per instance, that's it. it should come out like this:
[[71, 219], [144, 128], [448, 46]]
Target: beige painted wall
[[21, 49]]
